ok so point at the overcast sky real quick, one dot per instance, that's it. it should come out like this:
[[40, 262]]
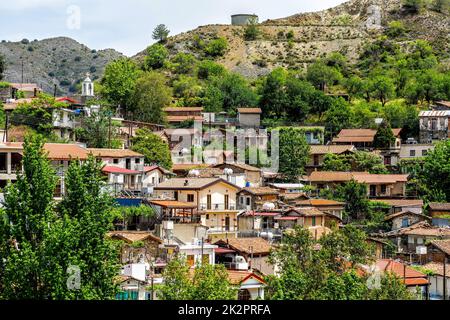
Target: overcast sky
[[127, 25]]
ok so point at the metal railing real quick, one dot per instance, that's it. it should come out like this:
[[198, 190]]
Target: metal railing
[[217, 206]]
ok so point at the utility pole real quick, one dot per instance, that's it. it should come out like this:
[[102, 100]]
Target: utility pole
[[203, 239], [5, 136], [109, 131], [445, 276]]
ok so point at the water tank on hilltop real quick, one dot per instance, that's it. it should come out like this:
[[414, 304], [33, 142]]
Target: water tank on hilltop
[[243, 19]]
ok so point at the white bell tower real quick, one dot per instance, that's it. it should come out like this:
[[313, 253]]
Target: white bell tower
[[87, 90]]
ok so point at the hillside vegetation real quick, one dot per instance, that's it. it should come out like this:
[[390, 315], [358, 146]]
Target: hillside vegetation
[[61, 61]]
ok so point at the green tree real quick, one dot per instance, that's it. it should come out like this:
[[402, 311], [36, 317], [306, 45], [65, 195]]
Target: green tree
[[414, 5], [208, 68], [119, 82], [211, 283], [252, 31], [177, 283], [367, 162], [384, 137], [382, 88], [86, 218], [150, 96], [26, 225], [327, 269], [205, 282], [321, 75], [183, 63], [156, 57], [99, 131], [160, 33], [356, 201], [334, 162], [396, 29], [293, 153], [216, 47], [235, 92], [339, 116], [442, 6], [435, 176], [2, 66], [155, 150]]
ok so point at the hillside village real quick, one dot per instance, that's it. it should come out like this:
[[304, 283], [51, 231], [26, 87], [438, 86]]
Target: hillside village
[[336, 164]]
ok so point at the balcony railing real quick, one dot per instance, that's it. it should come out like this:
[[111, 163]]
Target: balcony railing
[[217, 207]]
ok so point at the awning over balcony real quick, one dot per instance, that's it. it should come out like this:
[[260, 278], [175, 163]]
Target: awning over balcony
[[173, 204], [110, 169]]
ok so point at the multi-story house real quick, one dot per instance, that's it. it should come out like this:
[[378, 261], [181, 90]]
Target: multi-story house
[[124, 168], [434, 126], [378, 185], [214, 199], [10, 161], [363, 139], [255, 198], [178, 115], [318, 153]]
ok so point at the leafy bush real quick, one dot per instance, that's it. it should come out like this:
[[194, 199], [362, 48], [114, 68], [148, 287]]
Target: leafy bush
[[216, 47]]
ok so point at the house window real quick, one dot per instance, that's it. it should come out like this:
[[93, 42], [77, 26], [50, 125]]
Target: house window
[[316, 160], [412, 153], [244, 295], [116, 161], [383, 189], [387, 161], [405, 222], [248, 200], [424, 153], [191, 260], [313, 223], [137, 161], [190, 198]]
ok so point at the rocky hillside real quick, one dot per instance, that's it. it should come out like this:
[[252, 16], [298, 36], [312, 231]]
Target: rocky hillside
[[345, 28], [61, 61]]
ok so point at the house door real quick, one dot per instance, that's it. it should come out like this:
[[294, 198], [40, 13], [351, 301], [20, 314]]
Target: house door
[[244, 295], [373, 191], [227, 202], [128, 164], [208, 202], [227, 224], [175, 195]]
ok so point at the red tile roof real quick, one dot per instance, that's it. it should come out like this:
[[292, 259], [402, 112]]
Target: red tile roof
[[249, 110], [412, 277]]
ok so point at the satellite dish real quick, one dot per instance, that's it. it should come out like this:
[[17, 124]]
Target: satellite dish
[[268, 206], [194, 173], [228, 171]]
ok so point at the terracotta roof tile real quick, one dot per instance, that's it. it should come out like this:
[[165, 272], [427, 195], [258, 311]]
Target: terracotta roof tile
[[334, 149], [437, 268], [413, 277], [183, 109], [192, 183], [261, 191], [443, 245], [133, 236], [113, 153], [249, 110], [57, 151], [440, 206], [245, 245], [173, 204]]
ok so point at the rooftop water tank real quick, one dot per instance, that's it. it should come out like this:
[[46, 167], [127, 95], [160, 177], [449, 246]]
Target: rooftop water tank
[[243, 19]]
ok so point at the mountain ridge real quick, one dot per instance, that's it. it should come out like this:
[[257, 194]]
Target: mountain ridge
[[60, 61]]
